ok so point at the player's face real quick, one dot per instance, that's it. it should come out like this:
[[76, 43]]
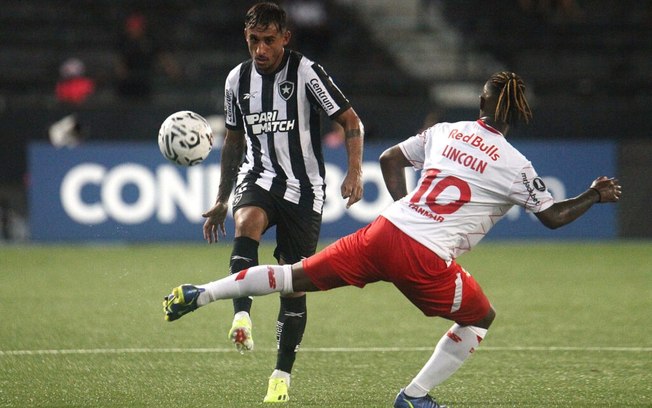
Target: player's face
[[266, 46], [487, 103]]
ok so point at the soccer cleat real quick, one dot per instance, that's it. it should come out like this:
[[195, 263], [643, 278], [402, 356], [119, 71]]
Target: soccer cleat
[[277, 391], [240, 333], [181, 301], [403, 401]]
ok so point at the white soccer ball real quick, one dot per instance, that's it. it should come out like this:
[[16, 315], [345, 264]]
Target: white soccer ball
[[185, 138]]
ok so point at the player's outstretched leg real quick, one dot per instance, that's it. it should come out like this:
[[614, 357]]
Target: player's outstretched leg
[[257, 281], [403, 401], [181, 301]]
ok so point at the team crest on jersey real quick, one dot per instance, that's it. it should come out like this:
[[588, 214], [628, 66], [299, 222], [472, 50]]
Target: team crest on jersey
[[286, 89]]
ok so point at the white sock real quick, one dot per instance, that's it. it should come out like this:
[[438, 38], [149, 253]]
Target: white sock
[[255, 281], [281, 374], [451, 351]]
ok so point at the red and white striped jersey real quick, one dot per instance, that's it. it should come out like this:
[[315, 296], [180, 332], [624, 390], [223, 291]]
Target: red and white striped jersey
[[471, 176]]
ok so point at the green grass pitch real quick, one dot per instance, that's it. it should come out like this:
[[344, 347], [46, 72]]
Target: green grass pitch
[[82, 326]]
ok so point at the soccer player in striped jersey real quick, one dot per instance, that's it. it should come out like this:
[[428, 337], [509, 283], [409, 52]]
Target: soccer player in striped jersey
[[471, 176], [273, 103]]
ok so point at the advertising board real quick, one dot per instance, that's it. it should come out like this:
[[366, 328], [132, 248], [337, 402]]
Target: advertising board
[[128, 192]]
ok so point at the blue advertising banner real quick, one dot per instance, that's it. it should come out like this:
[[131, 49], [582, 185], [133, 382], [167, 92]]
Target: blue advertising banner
[[128, 192]]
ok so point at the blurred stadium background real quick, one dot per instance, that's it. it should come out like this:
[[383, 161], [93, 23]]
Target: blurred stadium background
[[574, 328], [402, 63]]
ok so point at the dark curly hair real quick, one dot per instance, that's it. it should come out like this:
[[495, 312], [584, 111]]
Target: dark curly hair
[[266, 14]]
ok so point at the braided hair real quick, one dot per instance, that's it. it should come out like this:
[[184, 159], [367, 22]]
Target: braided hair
[[511, 104]]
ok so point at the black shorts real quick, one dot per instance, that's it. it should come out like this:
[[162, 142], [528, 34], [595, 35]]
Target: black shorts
[[297, 228]]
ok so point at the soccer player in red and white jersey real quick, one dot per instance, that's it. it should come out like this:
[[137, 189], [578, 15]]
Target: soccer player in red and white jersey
[[471, 177]]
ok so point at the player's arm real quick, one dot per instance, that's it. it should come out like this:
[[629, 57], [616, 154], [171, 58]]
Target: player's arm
[[353, 140], [232, 151], [602, 190], [392, 164]]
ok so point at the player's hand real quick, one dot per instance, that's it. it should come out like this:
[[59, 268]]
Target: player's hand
[[608, 188], [214, 223], [352, 187]]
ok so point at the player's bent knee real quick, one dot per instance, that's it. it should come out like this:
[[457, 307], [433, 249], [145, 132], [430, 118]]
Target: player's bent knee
[[486, 321], [301, 282]]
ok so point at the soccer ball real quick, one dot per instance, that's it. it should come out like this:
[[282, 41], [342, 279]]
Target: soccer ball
[[185, 138]]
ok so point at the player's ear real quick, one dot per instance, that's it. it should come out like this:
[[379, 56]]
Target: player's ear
[[286, 37]]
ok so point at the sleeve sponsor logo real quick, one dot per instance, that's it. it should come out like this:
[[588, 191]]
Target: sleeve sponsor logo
[[321, 94], [532, 187], [228, 107]]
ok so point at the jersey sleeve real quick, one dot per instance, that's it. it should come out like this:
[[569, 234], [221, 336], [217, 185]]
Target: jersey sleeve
[[324, 91], [529, 191], [232, 115], [414, 149]]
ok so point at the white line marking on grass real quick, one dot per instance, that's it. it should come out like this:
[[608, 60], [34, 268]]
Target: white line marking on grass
[[312, 350], [567, 348]]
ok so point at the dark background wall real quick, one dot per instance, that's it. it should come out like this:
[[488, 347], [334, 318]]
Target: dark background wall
[[635, 216], [590, 74]]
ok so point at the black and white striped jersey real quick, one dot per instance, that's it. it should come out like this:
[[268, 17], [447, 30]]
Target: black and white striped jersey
[[280, 115]]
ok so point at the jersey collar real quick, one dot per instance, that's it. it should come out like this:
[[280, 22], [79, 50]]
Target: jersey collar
[[489, 128]]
